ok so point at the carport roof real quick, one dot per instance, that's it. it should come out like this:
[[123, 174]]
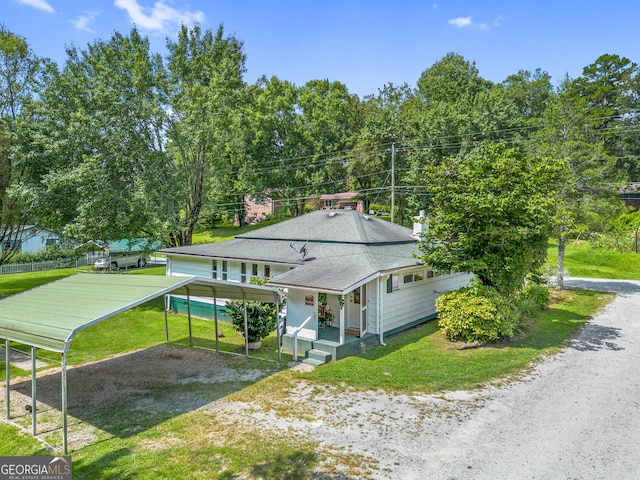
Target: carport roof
[[49, 316]]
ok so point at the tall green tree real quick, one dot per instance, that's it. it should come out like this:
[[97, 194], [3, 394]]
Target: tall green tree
[[453, 110], [587, 190], [276, 144], [530, 92], [208, 119], [22, 74], [369, 167], [490, 214], [99, 141]]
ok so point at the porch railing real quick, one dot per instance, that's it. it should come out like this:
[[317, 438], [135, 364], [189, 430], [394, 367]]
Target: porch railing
[[295, 333]]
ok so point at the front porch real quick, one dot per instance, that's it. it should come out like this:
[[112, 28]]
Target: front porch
[[329, 342]]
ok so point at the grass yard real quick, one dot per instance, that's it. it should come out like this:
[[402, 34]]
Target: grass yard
[[583, 261], [423, 360], [228, 231]]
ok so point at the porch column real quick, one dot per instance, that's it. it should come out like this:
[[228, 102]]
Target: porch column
[[278, 331], [379, 309], [342, 320]]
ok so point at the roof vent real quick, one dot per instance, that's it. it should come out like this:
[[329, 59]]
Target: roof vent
[[333, 214]]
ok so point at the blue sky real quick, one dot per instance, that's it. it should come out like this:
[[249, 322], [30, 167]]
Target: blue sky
[[364, 44]]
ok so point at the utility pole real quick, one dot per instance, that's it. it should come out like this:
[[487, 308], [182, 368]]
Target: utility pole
[[393, 182]]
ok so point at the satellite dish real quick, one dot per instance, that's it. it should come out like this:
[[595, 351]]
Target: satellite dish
[[302, 250]]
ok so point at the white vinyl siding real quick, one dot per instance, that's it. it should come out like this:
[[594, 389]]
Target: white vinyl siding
[[190, 266], [417, 300], [230, 270]]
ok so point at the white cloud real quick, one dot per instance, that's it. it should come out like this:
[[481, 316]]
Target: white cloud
[[40, 4], [82, 22], [158, 16], [464, 22], [461, 22]]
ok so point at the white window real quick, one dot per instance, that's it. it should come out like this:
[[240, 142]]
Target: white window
[[224, 270], [243, 272], [214, 269]]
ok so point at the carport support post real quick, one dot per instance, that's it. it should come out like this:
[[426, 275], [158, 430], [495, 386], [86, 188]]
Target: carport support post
[[64, 403], [7, 356], [246, 326], [33, 390], [215, 317], [166, 320], [189, 317]]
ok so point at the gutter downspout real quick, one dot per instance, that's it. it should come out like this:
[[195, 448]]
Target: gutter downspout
[[380, 323]]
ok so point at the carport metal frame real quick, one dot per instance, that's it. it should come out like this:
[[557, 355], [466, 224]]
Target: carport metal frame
[[180, 285]]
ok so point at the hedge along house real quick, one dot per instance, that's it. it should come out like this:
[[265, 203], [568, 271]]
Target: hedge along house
[[349, 278]]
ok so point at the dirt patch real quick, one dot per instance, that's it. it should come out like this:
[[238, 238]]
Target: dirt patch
[[118, 395]]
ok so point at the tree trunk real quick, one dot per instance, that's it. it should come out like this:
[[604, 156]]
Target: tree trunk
[[560, 272]]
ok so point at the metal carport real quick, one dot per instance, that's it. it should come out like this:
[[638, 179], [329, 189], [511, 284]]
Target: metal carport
[[49, 316]]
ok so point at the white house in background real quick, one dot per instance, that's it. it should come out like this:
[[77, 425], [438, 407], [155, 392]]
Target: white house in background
[[34, 239], [350, 279]]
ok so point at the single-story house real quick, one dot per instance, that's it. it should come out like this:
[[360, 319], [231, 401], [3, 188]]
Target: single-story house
[[630, 195], [32, 239], [346, 200], [349, 278]]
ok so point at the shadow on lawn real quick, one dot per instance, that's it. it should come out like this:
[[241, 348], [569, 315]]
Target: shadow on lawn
[[133, 392]]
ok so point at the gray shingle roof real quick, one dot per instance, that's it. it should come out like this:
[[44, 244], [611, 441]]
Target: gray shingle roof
[[342, 226], [343, 250]]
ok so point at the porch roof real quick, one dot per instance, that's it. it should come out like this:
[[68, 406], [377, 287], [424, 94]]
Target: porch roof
[[338, 269]]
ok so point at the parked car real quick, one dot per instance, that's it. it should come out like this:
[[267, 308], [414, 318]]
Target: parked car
[[114, 262]]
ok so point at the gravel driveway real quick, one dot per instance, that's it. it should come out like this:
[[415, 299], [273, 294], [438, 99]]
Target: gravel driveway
[[576, 416]]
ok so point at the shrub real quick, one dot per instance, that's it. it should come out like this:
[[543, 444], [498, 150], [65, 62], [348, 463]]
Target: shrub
[[52, 252], [261, 318], [476, 313], [536, 295]]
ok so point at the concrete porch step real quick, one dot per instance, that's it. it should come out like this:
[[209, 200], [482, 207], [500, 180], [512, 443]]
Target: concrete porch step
[[313, 361], [317, 357]]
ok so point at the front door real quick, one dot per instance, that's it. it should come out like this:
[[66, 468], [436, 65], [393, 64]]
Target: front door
[[357, 317]]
